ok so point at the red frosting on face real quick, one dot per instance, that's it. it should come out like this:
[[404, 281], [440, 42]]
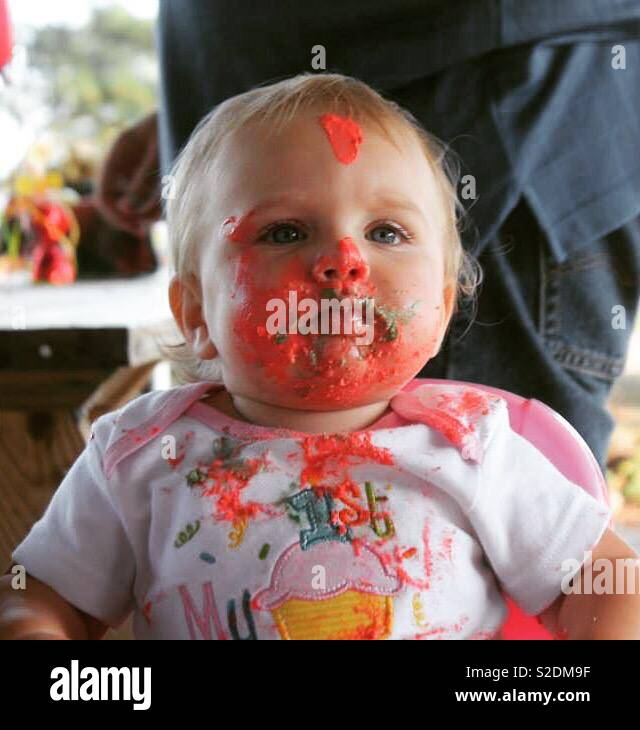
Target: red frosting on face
[[344, 135], [318, 370], [238, 231]]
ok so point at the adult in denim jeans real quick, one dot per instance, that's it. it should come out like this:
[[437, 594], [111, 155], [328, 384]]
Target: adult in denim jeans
[[532, 96], [544, 329], [567, 255]]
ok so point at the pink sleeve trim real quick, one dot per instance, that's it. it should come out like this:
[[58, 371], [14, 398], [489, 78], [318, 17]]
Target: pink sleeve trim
[[134, 438]]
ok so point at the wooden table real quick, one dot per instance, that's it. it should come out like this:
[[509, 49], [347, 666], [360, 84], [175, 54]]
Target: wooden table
[[67, 355]]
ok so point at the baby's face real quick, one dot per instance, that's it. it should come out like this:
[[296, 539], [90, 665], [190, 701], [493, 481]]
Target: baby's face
[[294, 224]]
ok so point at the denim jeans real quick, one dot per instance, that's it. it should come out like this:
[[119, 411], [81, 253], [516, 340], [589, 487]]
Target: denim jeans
[[546, 331]]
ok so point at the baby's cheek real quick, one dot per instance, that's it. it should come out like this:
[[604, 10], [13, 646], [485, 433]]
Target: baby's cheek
[[250, 313], [403, 342], [418, 348], [424, 330]]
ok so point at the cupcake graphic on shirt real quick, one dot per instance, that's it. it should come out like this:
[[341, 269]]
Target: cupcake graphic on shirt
[[330, 590]]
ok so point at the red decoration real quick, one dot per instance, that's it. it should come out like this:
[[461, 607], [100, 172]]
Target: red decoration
[[53, 263], [53, 260], [6, 35]]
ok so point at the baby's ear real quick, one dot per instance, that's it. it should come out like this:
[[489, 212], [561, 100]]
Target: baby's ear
[[185, 300], [446, 310], [448, 300]]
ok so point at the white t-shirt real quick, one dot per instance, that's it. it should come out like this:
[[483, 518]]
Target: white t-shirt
[[209, 528]]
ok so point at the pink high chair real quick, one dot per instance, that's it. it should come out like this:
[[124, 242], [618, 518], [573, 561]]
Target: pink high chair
[[558, 440]]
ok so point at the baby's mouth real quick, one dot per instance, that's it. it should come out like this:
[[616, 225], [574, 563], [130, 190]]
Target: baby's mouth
[[366, 319], [355, 322], [330, 334], [364, 333]]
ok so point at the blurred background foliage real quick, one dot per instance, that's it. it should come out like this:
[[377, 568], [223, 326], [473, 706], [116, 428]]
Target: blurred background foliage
[[105, 71], [84, 85]]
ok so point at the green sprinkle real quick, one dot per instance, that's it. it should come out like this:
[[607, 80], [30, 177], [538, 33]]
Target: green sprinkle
[[191, 530], [264, 551], [222, 448], [195, 476], [408, 313], [185, 535], [328, 294], [392, 332]]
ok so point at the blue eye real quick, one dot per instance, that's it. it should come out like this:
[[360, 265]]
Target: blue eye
[[283, 233], [286, 232], [389, 234]]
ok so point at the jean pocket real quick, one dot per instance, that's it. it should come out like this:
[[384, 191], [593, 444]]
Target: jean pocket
[[588, 305]]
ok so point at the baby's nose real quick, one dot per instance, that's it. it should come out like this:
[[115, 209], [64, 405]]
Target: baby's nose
[[343, 268]]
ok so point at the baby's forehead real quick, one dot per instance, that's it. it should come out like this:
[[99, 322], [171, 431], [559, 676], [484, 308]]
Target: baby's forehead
[[314, 144], [311, 154]]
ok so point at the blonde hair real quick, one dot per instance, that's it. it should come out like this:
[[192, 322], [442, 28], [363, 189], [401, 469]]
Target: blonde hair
[[273, 107]]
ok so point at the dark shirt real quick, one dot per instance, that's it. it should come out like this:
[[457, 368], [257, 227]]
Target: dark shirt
[[523, 90]]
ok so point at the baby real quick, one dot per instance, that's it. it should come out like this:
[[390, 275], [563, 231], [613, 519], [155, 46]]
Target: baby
[[301, 487]]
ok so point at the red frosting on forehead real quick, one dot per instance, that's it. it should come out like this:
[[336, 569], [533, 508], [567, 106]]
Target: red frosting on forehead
[[344, 135]]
